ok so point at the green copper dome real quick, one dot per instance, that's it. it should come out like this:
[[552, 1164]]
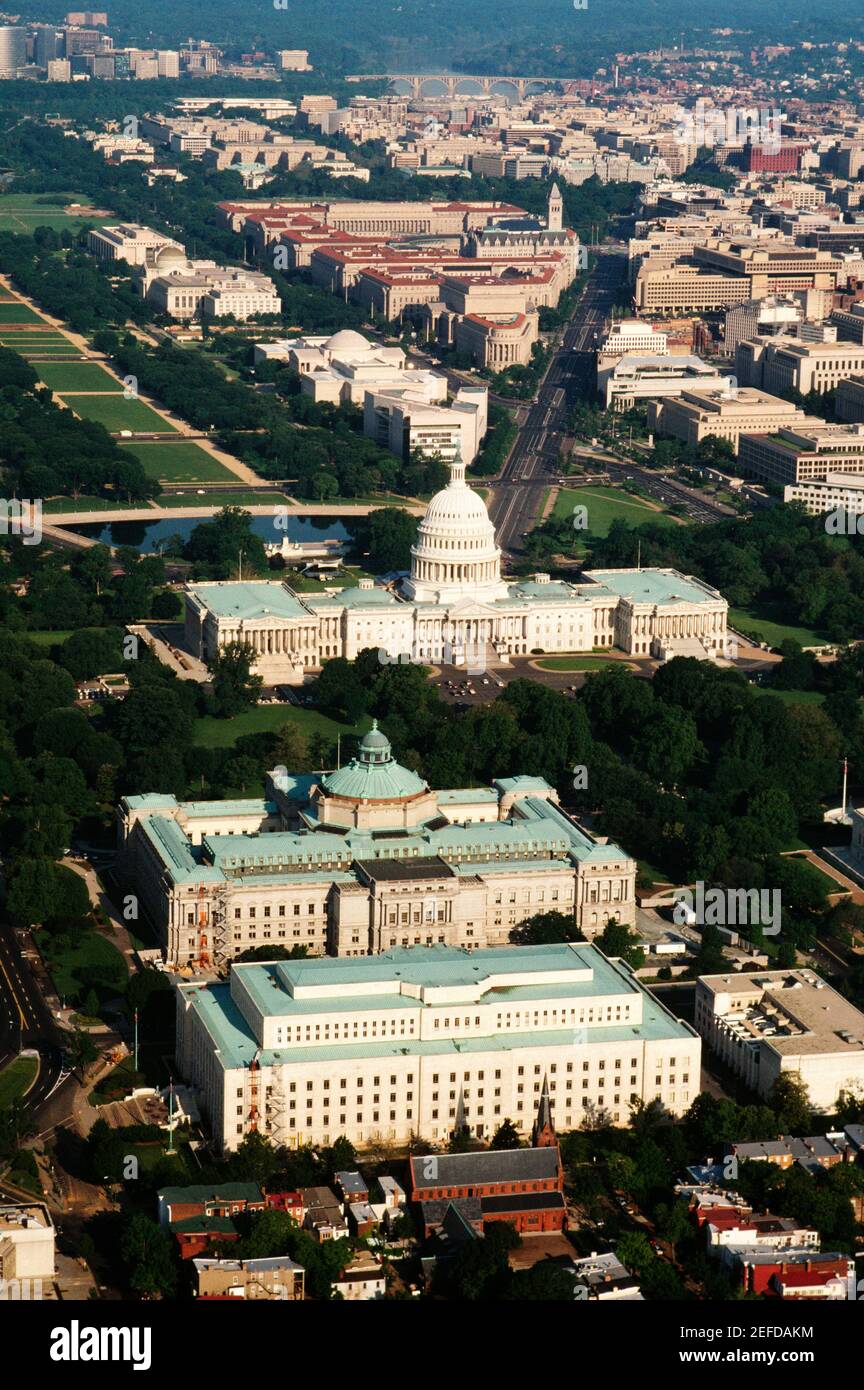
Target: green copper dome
[[373, 775]]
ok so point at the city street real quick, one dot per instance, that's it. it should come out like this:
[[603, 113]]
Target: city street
[[516, 498]]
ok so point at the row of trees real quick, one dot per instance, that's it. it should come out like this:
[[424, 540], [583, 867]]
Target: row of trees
[[46, 451], [698, 772]]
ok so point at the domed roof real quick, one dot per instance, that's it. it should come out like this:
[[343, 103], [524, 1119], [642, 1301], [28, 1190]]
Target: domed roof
[[374, 741], [347, 340], [456, 506], [374, 775], [455, 555]]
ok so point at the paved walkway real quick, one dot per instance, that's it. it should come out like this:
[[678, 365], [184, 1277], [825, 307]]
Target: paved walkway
[[846, 887], [178, 426], [118, 934]]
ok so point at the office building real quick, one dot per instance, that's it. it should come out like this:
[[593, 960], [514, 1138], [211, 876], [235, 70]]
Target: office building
[[771, 1022], [362, 859], [427, 1041], [723, 413]]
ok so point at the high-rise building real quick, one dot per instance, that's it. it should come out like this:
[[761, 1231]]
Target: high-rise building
[[13, 50], [168, 60], [49, 44]]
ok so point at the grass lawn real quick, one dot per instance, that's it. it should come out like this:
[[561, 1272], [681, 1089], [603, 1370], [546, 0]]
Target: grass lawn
[[39, 355], [646, 870], [17, 1078], [78, 376], [221, 499], [22, 212], [575, 663], [605, 505], [92, 504], [116, 413], [47, 639], [91, 953], [795, 697], [178, 461], [11, 311], [31, 337], [751, 624], [265, 719], [304, 584], [830, 884]]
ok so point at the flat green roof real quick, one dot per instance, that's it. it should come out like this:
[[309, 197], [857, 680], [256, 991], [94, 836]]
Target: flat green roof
[[665, 587], [236, 1044], [250, 600]]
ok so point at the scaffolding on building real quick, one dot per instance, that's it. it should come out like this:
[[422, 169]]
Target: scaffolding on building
[[274, 1106], [219, 925]]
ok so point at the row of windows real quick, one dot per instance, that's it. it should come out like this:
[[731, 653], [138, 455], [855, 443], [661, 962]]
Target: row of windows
[[282, 910], [569, 1117]]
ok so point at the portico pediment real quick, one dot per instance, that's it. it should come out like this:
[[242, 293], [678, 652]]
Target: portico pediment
[[470, 608]]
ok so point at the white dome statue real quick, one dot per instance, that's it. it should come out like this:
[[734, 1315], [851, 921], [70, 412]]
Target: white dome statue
[[455, 556]]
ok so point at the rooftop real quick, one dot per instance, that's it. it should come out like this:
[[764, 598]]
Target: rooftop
[[415, 979]]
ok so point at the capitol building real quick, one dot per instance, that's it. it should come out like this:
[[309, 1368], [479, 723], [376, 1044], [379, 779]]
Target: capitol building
[[455, 605]]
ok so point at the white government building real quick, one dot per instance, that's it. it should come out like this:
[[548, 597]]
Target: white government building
[[455, 604], [363, 859], [425, 1040], [784, 1021]]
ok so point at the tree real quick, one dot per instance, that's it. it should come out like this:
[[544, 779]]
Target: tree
[[255, 1160], [340, 690], [148, 1257], [388, 536], [544, 1281], [167, 605], [235, 688], [790, 1100], [226, 544], [546, 928], [292, 749], [618, 940], [40, 889], [92, 652], [634, 1252], [506, 1136]]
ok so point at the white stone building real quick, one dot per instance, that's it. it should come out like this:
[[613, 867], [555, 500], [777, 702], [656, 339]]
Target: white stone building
[[26, 1245], [456, 603], [775, 1021], [421, 1042], [364, 859]]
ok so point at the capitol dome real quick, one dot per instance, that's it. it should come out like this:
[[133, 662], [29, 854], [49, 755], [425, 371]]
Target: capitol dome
[[455, 555]]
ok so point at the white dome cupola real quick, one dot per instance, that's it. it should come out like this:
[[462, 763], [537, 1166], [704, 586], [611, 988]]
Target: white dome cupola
[[455, 555]]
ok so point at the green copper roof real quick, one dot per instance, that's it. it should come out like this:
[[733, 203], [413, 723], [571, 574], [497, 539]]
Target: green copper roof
[[653, 586], [584, 973], [374, 775], [250, 601]]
